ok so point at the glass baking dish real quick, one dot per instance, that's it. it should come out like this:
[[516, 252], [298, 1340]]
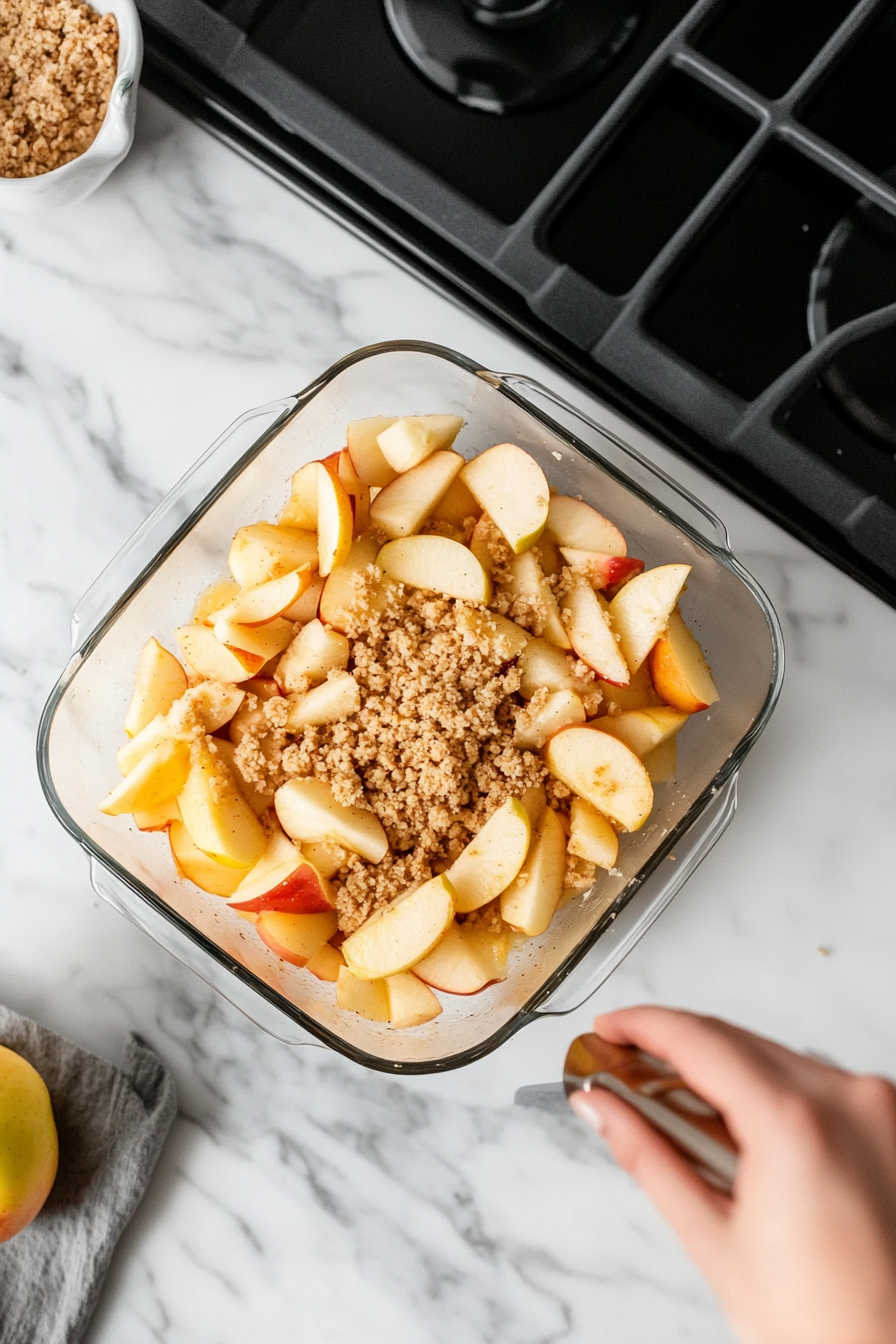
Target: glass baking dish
[[151, 586]]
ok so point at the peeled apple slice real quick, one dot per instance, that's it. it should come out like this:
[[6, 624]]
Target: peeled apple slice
[[513, 490], [411, 1002], [403, 933], [492, 859], [529, 902], [366, 454], [367, 998], [605, 772], [220, 879], [308, 811], [404, 506], [641, 611], [591, 836], [437, 565], [208, 657], [643, 729], [256, 606], [295, 938], [216, 814], [156, 777], [160, 681], [414, 437], [572, 522], [264, 551], [466, 961]]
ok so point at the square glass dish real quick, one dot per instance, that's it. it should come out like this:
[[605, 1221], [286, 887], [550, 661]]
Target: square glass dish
[[151, 587]]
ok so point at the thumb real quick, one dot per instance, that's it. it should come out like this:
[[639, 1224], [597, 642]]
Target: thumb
[[698, 1213]]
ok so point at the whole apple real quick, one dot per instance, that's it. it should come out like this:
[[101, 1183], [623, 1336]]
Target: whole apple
[[29, 1147]]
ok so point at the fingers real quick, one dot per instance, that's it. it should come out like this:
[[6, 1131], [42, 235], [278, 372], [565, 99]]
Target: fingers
[[697, 1212], [737, 1072]]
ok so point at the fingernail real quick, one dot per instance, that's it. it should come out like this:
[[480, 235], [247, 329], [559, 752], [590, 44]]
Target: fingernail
[[588, 1108]]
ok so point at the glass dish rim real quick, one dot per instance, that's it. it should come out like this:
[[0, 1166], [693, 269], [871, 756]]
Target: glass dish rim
[[503, 384]]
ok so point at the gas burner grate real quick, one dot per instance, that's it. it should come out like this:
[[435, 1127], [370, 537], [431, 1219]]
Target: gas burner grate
[[706, 235]]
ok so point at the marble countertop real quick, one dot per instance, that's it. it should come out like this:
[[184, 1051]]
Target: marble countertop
[[300, 1197]]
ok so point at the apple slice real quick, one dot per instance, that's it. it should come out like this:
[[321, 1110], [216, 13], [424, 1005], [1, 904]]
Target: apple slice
[[304, 609], [402, 933], [334, 700], [326, 856], [591, 836], [283, 879], [160, 681], [591, 635], [527, 582], [213, 599], [262, 641], [572, 522], [295, 938], [312, 656], [409, 440], [158, 818], [466, 961], [601, 568], [411, 1002], [259, 800], [264, 551], [366, 454], [544, 716], [196, 866], [335, 522], [679, 671], [534, 800], [326, 963], [638, 694], [605, 772], [457, 505], [264, 602], [340, 604], [157, 776], [437, 565], [640, 612], [403, 506], [548, 555], [216, 814], [513, 490], [367, 998], [643, 729], [661, 764], [496, 636], [492, 859], [488, 545], [207, 707], [208, 657], [543, 665], [301, 508], [308, 811], [529, 903]]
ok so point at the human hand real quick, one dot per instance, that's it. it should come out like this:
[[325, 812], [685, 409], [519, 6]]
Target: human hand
[[804, 1251]]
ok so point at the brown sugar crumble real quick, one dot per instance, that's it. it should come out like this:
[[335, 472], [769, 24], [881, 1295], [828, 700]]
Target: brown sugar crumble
[[58, 61], [430, 751]]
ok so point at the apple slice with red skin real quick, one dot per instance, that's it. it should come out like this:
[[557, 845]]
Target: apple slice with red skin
[[283, 879], [600, 568], [591, 634], [295, 938], [679, 670], [572, 522], [467, 960]]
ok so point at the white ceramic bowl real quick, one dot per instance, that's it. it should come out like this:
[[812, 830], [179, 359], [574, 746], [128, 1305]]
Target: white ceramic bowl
[[76, 180]]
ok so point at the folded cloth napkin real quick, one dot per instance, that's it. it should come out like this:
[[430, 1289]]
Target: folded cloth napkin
[[112, 1124]]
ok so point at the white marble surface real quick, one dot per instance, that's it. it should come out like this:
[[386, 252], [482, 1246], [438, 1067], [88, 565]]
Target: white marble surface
[[300, 1197]]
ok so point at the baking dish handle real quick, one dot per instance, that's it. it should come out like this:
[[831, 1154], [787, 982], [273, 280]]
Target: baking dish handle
[[218, 977], [645, 906], [612, 449], [169, 516]]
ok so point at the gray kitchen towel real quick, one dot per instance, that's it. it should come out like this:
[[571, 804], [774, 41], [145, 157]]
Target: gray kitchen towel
[[112, 1124]]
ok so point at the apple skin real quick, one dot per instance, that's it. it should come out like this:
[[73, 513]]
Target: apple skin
[[29, 1145], [679, 669], [303, 892], [602, 569]]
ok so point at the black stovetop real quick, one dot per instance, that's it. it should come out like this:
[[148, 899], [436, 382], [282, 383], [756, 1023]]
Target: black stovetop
[[705, 235]]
